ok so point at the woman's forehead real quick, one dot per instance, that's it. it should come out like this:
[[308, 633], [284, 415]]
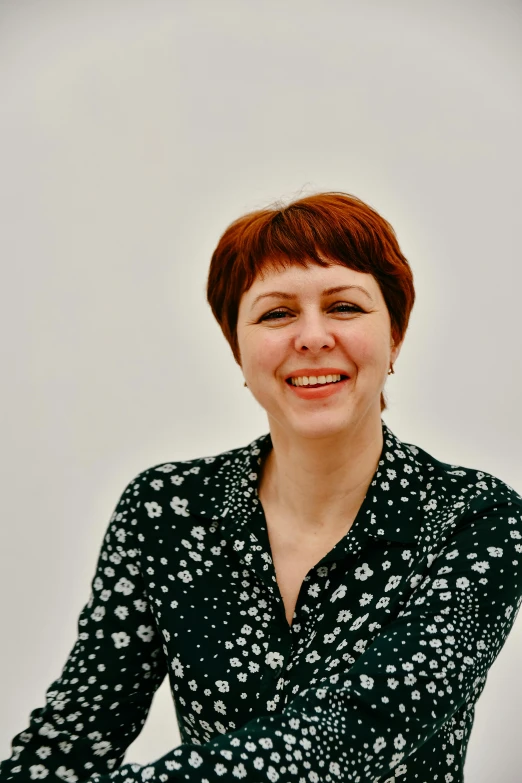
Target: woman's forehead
[[311, 274]]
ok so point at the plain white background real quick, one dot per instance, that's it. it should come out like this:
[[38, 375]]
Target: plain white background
[[131, 135]]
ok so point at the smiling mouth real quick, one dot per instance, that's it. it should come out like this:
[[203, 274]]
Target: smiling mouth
[[315, 382]]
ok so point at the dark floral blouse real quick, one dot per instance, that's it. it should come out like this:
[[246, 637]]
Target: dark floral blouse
[[375, 680]]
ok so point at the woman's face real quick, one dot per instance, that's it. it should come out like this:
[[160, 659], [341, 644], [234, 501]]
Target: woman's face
[[313, 321]]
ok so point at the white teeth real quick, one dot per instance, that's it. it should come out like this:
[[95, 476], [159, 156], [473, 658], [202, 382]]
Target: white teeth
[[311, 380]]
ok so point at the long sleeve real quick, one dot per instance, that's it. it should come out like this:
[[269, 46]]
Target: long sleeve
[[365, 723], [100, 701]]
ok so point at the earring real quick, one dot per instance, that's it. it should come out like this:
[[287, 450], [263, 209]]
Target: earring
[[245, 383], [391, 371]]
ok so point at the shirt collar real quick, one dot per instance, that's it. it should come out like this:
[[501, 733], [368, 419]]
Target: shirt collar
[[391, 510]]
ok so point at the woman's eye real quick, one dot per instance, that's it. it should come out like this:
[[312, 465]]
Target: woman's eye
[[273, 314], [343, 307], [347, 308]]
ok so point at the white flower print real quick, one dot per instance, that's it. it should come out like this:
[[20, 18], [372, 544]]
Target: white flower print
[[415, 580], [166, 468], [358, 622], [195, 759], [124, 586], [363, 572], [66, 774], [329, 638], [180, 506], [121, 612], [274, 659], [393, 582], [38, 771], [339, 593], [121, 639], [153, 509], [98, 614], [47, 730], [146, 633], [101, 748]]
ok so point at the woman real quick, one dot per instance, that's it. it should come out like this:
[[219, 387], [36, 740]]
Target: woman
[[326, 601]]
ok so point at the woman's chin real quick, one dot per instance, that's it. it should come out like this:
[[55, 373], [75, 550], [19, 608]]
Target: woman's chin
[[324, 424], [317, 427]]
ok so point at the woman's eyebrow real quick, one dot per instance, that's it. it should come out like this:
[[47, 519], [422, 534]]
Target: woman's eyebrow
[[327, 292]]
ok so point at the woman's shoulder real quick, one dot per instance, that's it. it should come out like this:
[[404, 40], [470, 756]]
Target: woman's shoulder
[[461, 483], [198, 485], [210, 464]]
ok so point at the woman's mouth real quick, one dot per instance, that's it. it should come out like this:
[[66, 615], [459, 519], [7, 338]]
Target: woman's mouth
[[313, 387]]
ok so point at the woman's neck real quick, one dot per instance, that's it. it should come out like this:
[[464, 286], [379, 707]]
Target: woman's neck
[[316, 487]]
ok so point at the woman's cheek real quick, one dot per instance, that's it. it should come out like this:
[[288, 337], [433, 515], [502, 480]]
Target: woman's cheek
[[362, 348], [273, 351]]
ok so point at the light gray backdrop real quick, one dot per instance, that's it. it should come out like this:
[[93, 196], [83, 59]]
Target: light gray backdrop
[[131, 134]]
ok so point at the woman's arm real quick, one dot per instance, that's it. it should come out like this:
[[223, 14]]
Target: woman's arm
[[99, 703], [363, 724]]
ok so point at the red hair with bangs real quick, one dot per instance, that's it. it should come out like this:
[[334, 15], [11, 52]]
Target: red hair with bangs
[[324, 228]]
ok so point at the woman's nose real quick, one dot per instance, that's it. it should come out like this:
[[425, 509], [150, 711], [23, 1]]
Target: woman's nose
[[314, 333]]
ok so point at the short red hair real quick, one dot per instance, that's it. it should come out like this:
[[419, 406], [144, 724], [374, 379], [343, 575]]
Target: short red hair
[[323, 228]]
